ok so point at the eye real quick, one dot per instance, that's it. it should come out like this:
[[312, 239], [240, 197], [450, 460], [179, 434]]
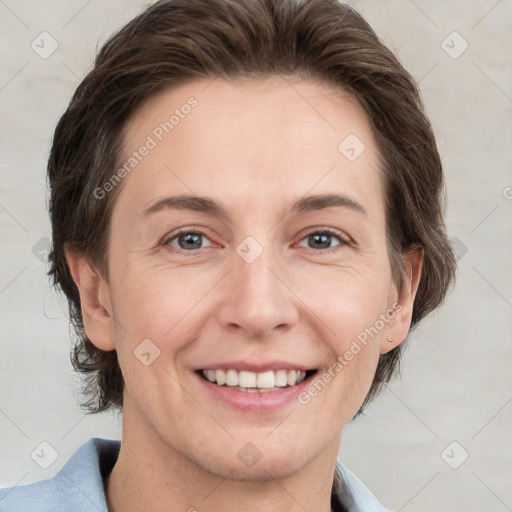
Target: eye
[[186, 240], [192, 239], [323, 239]]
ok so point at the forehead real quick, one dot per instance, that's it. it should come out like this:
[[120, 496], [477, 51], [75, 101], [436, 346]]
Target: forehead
[[251, 142]]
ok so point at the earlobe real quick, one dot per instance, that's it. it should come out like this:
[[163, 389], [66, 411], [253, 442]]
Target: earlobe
[[95, 300], [401, 323]]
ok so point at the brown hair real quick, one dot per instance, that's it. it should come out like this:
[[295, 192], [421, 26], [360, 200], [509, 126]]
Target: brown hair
[[175, 41]]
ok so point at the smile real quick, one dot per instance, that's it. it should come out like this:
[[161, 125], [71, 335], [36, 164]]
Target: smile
[[256, 382]]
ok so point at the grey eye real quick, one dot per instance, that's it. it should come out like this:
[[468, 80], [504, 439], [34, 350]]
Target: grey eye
[[321, 240], [190, 241]]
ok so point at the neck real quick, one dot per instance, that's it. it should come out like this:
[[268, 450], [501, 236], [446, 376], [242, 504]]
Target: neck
[[151, 475]]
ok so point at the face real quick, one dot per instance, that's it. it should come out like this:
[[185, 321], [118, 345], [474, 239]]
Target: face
[[267, 281]]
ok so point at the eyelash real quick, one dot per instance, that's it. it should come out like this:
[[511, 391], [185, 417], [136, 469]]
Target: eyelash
[[344, 240]]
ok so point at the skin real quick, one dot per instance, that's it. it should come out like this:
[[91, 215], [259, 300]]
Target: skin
[[255, 146]]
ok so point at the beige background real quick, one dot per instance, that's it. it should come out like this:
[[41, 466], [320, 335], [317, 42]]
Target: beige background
[[456, 383]]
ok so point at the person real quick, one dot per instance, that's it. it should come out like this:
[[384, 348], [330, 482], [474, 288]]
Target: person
[[247, 221]]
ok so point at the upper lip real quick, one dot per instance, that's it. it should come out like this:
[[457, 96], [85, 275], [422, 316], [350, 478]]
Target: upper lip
[[257, 367]]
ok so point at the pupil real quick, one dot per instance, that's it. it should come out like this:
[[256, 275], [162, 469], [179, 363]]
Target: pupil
[[192, 241], [323, 240]]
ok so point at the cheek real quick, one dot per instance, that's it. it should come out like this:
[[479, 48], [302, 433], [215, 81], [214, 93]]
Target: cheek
[[160, 304], [345, 300], [351, 311], [157, 301]]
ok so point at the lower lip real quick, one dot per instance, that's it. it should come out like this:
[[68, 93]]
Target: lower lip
[[259, 402]]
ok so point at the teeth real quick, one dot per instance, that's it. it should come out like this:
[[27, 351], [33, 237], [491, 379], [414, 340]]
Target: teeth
[[220, 377], [252, 381], [265, 380], [246, 379], [281, 378], [292, 378], [232, 378]]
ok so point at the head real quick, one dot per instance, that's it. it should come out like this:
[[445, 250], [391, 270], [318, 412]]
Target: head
[[253, 107]]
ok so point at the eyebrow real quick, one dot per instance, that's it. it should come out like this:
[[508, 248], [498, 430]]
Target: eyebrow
[[210, 207]]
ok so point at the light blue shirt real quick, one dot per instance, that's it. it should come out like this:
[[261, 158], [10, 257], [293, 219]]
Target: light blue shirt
[[78, 486]]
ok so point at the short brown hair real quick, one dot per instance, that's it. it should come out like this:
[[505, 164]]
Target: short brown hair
[[175, 41]]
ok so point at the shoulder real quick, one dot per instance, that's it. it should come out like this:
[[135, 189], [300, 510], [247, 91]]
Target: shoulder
[[78, 486], [353, 494]]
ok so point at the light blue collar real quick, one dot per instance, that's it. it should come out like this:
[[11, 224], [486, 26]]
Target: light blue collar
[[78, 486]]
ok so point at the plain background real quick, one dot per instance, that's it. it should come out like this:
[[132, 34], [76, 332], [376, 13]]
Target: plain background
[[454, 397]]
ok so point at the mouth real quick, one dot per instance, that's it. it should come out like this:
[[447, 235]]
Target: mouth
[[256, 382]]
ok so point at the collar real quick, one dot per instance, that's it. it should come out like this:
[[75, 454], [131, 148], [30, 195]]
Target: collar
[[78, 486]]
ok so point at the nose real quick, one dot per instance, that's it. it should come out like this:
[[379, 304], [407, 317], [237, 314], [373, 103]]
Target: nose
[[258, 300]]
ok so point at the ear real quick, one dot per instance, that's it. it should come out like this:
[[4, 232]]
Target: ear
[[399, 326], [95, 300]]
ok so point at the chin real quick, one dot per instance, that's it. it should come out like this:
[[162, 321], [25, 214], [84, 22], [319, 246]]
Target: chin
[[258, 461], [265, 470]]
